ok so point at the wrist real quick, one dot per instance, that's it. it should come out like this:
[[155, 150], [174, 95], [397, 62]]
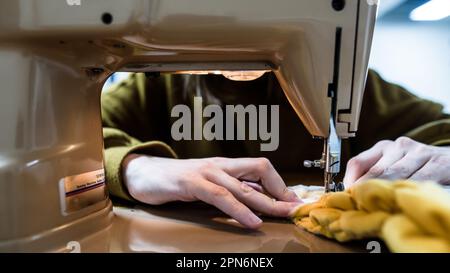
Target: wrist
[[127, 173], [127, 160]]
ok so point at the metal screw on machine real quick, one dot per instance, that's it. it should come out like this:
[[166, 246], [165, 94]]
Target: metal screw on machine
[[319, 163], [330, 185]]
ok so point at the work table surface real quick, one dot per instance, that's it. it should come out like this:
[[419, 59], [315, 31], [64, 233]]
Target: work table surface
[[198, 227]]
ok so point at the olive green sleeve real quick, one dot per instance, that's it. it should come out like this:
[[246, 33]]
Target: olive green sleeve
[[390, 111], [434, 133], [129, 127], [117, 146]]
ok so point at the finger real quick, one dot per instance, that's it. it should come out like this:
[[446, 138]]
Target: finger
[[251, 197], [360, 164], [255, 186], [390, 156], [222, 199], [407, 166], [433, 170], [261, 169]]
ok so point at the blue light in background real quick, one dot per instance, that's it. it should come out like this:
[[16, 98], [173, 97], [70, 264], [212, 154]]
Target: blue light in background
[[115, 78], [413, 54]]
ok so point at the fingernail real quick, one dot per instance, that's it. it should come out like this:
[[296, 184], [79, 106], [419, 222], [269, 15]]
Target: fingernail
[[246, 188], [255, 221], [292, 196], [295, 206]]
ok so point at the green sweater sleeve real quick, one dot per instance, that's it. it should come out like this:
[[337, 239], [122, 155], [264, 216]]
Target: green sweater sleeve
[[390, 111], [125, 106]]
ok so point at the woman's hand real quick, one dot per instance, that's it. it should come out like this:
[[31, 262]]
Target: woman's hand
[[229, 184], [403, 158]]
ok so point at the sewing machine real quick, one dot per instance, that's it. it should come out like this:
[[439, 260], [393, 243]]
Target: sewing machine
[[55, 56]]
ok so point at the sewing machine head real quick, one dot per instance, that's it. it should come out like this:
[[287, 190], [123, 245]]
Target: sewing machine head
[[55, 55]]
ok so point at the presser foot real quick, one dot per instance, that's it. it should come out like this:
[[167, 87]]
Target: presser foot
[[334, 187], [330, 185]]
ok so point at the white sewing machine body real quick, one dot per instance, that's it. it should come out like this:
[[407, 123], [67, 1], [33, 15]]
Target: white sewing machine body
[[55, 57]]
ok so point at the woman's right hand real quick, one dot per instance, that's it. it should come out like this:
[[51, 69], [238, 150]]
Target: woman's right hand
[[234, 185]]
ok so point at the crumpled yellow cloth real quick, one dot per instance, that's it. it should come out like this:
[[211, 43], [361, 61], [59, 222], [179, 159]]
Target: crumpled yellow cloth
[[408, 216]]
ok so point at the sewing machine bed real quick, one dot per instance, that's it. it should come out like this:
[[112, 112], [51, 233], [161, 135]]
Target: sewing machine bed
[[198, 227]]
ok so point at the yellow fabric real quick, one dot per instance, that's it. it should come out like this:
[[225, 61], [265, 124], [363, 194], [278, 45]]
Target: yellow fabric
[[408, 216], [429, 207], [402, 235]]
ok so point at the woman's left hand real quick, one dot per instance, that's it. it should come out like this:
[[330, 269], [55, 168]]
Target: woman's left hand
[[403, 158]]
